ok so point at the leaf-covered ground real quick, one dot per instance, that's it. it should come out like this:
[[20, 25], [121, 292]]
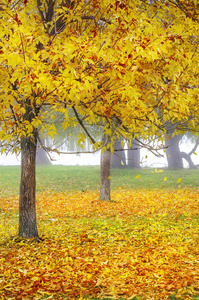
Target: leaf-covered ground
[[142, 245]]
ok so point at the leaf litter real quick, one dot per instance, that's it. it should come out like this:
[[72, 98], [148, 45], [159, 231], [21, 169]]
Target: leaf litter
[[144, 245]]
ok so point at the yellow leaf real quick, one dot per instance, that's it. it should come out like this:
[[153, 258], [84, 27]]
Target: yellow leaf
[[137, 176], [122, 162], [158, 171], [165, 178], [179, 179], [109, 177], [14, 59], [3, 150]]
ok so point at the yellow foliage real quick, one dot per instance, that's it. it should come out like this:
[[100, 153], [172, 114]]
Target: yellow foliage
[[137, 64]]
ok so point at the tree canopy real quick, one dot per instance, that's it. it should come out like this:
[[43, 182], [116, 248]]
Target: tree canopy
[[129, 65]]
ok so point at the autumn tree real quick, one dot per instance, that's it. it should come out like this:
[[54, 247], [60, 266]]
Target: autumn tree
[[174, 158], [133, 154], [41, 155], [174, 154], [188, 156], [112, 62], [132, 157], [118, 157]]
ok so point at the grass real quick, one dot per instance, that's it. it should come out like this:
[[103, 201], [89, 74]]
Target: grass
[[87, 178]]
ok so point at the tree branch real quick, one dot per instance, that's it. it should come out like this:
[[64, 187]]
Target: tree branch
[[82, 125]]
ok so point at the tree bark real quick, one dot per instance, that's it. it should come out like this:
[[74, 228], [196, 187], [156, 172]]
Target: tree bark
[[27, 207], [134, 156], [118, 158], [105, 164], [174, 157]]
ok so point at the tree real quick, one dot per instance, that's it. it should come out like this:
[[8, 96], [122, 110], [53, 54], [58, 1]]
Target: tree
[[187, 156], [41, 156], [175, 156], [27, 212], [118, 158], [31, 79], [134, 155], [91, 57], [105, 165], [173, 153]]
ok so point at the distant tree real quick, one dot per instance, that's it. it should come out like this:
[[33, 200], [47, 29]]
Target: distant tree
[[118, 157], [187, 156], [175, 156], [41, 155], [133, 155]]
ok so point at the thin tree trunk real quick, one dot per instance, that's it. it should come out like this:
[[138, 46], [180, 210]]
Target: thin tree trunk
[[105, 164], [187, 156], [189, 160], [134, 155], [173, 153], [41, 156], [118, 158], [27, 207]]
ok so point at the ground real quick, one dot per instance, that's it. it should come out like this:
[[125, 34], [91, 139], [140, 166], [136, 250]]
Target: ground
[[141, 245]]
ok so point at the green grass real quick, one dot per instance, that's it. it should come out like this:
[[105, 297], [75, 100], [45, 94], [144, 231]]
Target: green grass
[[86, 178]]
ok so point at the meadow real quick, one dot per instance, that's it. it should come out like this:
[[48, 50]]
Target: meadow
[[143, 244], [87, 178]]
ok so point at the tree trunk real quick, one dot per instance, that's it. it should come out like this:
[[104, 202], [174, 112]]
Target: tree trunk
[[189, 160], [174, 157], [134, 156], [187, 156], [41, 156], [118, 158], [105, 164], [27, 207]]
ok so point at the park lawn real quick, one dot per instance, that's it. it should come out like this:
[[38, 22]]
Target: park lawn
[[87, 178], [144, 244]]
